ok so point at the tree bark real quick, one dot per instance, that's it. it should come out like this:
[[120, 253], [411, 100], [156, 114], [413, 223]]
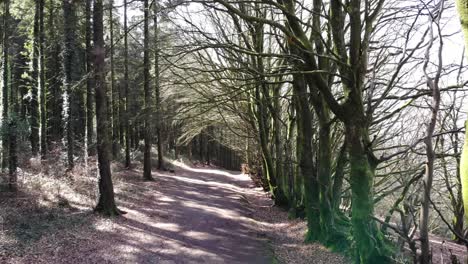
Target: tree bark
[[114, 102], [34, 137], [433, 85], [70, 59], [6, 138], [126, 98], [148, 104], [42, 82], [106, 203], [54, 100], [307, 170], [89, 82], [338, 178], [158, 89], [462, 6]]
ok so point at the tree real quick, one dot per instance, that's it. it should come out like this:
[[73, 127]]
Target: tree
[[114, 105], [54, 75], [34, 108], [433, 84], [71, 74], [6, 133], [125, 97], [42, 82], [462, 6], [147, 98], [106, 203], [157, 92], [89, 81]]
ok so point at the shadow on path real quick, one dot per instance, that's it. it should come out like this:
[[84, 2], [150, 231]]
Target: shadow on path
[[190, 216]]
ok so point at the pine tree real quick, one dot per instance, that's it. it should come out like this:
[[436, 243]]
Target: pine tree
[[157, 89], [71, 72], [125, 97], [89, 82], [148, 105], [42, 81], [106, 203]]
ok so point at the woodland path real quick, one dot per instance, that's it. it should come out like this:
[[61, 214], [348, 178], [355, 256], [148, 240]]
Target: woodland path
[[190, 216], [195, 215]]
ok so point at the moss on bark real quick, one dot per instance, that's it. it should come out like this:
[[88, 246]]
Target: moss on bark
[[464, 171], [369, 242], [462, 6]]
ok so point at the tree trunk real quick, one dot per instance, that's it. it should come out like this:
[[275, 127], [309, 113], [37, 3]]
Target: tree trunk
[[126, 98], [157, 89], [6, 137], [462, 6], [459, 212], [70, 68], [42, 81], [89, 83], [114, 103], [54, 100], [307, 170], [106, 204], [324, 175], [34, 137], [338, 177], [20, 62], [267, 158], [433, 85], [148, 104], [368, 239], [277, 133]]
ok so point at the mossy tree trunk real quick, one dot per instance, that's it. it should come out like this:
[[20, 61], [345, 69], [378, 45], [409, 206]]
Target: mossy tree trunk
[[369, 240], [462, 6], [263, 135], [324, 172], [338, 177], [305, 155], [265, 112]]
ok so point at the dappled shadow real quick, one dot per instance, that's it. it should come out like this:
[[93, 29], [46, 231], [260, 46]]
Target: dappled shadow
[[25, 219], [189, 216]]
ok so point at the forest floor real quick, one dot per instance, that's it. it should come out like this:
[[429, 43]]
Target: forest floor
[[194, 215]]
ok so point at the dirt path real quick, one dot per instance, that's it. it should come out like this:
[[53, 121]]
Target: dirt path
[[190, 216]]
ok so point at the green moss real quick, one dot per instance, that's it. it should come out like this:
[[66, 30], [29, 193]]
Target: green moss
[[370, 245], [462, 6], [464, 171]]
